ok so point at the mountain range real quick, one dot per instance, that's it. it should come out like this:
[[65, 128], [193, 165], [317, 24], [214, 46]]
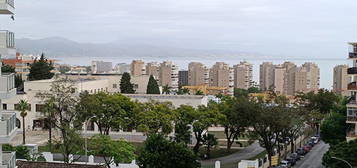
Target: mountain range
[[57, 47]]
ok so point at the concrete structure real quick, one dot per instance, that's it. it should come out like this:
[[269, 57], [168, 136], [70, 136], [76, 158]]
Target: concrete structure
[[266, 78], [352, 87], [168, 75], [22, 63], [243, 75], [312, 76], [289, 78], [279, 78], [153, 68], [301, 80], [7, 90], [221, 75], [198, 74], [121, 68], [340, 79], [99, 67], [183, 78], [137, 68], [7, 44]]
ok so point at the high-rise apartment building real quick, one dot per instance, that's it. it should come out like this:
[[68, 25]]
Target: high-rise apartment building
[[340, 79], [352, 87], [99, 67], [168, 75], [152, 68], [289, 78], [219, 75], [301, 80], [138, 68], [7, 89], [312, 76], [198, 74], [243, 75], [279, 78], [183, 78], [266, 78]]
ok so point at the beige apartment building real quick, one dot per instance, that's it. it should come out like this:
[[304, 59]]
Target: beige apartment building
[[266, 78], [340, 79], [219, 75], [153, 68], [243, 75], [137, 68], [168, 75], [312, 76], [289, 79], [197, 74]]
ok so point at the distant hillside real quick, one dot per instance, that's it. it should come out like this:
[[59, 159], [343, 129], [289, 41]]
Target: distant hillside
[[58, 47]]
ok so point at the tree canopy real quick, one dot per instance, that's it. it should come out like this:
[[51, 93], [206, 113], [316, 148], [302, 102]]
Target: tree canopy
[[41, 69], [125, 84], [153, 87], [333, 129], [5, 68], [158, 152], [345, 150]]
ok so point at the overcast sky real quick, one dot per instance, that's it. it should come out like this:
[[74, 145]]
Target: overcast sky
[[292, 28]]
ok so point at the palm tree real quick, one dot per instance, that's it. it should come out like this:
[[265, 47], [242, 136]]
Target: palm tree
[[166, 89], [23, 106], [49, 112]]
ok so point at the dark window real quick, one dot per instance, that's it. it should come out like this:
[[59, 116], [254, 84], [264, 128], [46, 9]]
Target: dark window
[[16, 106], [4, 106], [40, 107]]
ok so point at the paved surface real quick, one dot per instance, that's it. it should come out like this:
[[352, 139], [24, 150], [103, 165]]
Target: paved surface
[[314, 158], [246, 153]]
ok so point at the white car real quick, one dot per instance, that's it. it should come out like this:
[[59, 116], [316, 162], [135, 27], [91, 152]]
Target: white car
[[285, 163]]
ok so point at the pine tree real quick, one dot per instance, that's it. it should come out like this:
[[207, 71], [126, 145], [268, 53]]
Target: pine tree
[[41, 69], [125, 85], [153, 87]]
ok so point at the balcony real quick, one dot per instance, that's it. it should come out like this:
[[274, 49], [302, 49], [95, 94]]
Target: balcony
[[7, 7], [7, 86], [7, 44], [351, 119], [8, 159], [352, 55], [352, 71], [352, 86], [7, 127]]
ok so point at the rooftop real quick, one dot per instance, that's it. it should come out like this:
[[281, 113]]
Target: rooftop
[[28, 164]]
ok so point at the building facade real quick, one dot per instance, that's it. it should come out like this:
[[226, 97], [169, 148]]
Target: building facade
[[168, 75], [99, 67], [183, 78], [137, 68], [8, 127], [266, 78], [153, 68], [243, 75], [352, 88], [122, 68], [198, 74], [340, 79]]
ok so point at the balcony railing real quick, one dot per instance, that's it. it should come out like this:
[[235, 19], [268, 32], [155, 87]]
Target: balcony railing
[[352, 86], [7, 124], [7, 6], [352, 118], [352, 70], [353, 55], [7, 86], [9, 159]]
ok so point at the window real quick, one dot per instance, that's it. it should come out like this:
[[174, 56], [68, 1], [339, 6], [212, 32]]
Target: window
[[4, 106], [40, 107], [115, 85]]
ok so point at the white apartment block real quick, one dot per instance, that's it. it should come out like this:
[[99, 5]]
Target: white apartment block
[[352, 88], [122, 68], [7, 90], [101, 67]]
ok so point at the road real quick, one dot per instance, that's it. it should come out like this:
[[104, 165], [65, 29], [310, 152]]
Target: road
[[314, 158], [246, 153]]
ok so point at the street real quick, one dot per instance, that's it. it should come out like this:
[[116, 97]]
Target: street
[[313, 159]]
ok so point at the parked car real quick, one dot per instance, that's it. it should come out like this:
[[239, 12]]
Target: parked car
[[296, 156], [300, 151], [291, 160], [307, 148], [285, 164]]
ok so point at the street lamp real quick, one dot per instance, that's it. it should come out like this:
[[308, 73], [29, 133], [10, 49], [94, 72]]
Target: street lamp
[[342, 161]]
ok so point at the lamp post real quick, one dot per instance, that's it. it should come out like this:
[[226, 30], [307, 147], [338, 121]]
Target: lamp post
[[342, 161]]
